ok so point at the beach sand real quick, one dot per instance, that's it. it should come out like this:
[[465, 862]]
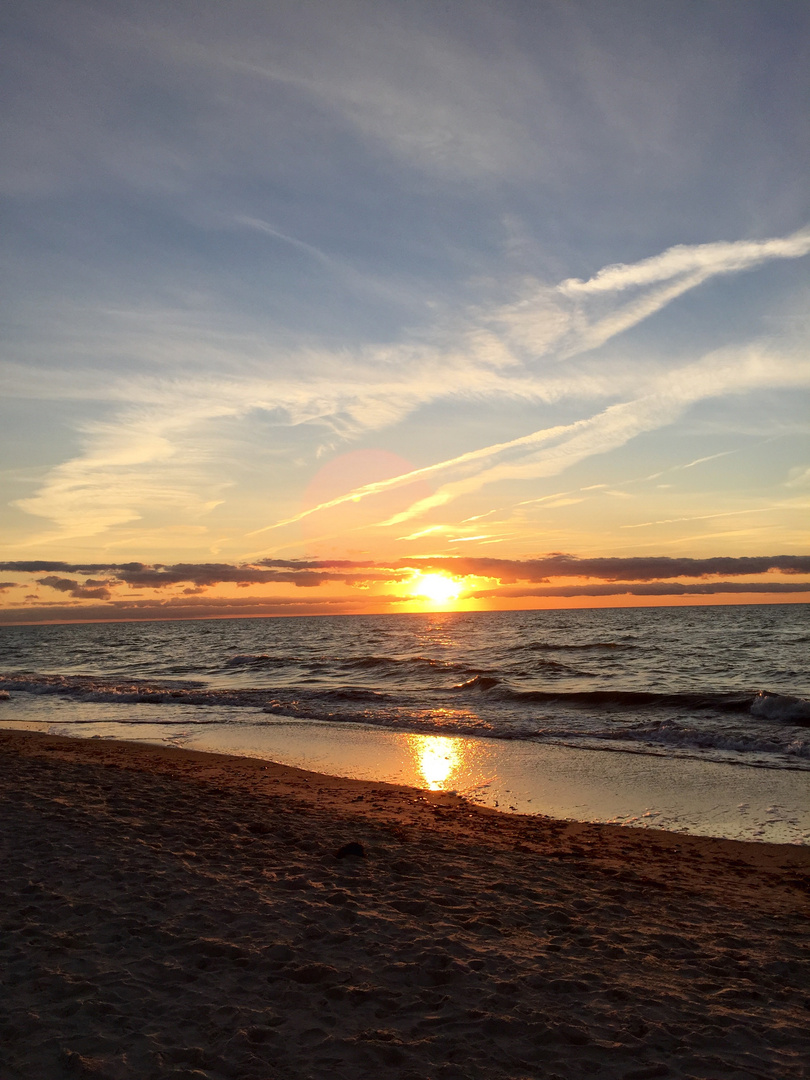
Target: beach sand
[[173, 914]]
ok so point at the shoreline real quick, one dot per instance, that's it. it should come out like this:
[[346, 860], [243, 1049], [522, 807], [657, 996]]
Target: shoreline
[[273, 778], [173, 913], [660, 792], [420, 808]]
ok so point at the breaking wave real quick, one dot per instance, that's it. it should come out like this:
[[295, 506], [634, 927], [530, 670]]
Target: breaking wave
[[793, 710], [721, 702], [764, 704]]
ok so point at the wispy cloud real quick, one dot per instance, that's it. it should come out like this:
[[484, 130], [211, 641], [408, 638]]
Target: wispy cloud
[[434, 105], [270, 230], [701, 517], [150, 453], [131, 463], [799, 477], [577, 316], [342, 270], [685, 261], [549, 452], [703, 460]]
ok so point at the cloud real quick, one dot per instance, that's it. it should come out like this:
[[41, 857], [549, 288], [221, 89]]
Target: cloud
[[185, 607], [430, 102], [718, 588], [181, 586], [6, 585], [270, 230], [702, 460], [665, 277], [189, 606], [40, 566], [577, 316], [74, 588], [569, 445], [689, 261], [149, 455], [463, 461], [799, 477], [550, 451], [342, 271], [133, 462], [638, 568], [206, 575], [310, 573], [201, 575], [699, 517]]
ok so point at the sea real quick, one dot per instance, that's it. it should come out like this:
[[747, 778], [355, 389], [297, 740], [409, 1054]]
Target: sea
[[723, 685]]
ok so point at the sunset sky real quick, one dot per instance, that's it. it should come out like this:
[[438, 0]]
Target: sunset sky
[[389, 305]]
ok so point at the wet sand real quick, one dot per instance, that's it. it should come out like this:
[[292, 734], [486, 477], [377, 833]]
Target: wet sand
[[676, 794], [177, 914]]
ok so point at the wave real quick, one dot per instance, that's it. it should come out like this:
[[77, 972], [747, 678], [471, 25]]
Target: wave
[[655, 737], [550, 668], [353, 693], [671, 734], [362, 663], [413, 663], [480, 682], [792, 710], [259, 660], [548, 646], [762, 723], [134, 691], [765, 704], [759, 726], [423, 720], [723, 702]]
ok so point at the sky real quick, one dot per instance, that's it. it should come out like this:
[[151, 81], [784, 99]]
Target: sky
[[390, 305]]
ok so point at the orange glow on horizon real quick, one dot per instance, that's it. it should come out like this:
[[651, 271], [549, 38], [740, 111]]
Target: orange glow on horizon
[[350, 606]]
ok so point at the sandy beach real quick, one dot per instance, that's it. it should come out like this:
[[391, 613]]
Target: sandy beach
[[170, 913]]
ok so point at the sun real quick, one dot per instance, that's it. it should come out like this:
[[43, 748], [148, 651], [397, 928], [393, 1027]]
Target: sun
[[439, 589]]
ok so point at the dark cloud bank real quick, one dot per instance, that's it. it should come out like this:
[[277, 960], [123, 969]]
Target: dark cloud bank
[[313, 572], [600, 577]]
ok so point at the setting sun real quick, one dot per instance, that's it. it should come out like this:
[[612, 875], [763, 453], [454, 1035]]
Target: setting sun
[[437, 588]]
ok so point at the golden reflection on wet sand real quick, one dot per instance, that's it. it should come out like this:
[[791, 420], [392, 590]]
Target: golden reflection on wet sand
[[448, 763]]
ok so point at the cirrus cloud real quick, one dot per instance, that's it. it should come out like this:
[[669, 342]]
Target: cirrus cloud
[[150, 453]]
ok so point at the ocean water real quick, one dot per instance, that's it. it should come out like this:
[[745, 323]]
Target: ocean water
[[717, 684]]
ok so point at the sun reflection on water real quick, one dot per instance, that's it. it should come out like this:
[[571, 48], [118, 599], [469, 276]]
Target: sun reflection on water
[[441, 761]]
